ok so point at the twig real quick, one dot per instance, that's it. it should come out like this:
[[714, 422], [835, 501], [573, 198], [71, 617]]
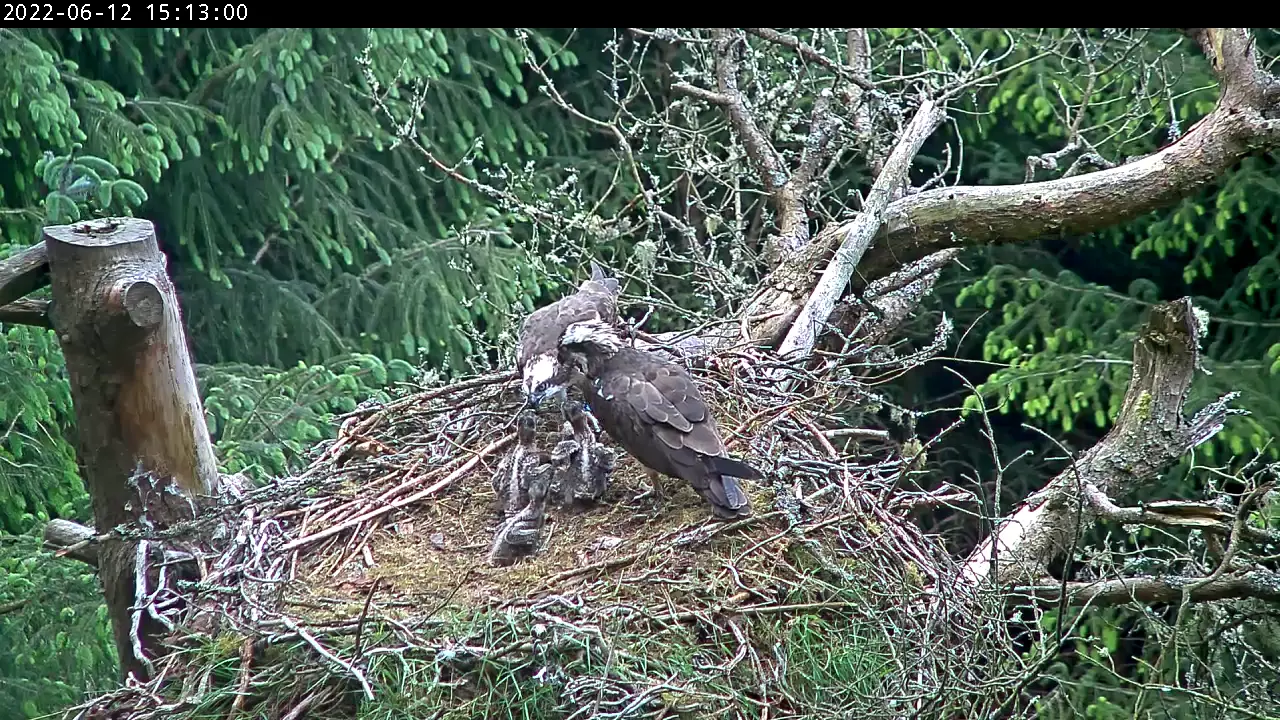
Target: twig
[[315, 645]]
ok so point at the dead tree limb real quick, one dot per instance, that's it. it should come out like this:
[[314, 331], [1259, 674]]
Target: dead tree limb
[[23, 272], [26, 312], [1165, 589], [142, 443], [859, 233], [922, 224], [72, 540], [1148, 437], [1239, 125], [786, 186], [79, 542]]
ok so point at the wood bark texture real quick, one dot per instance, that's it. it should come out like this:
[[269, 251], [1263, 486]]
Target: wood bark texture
[[1150, 434], [141, 439], [23, 272], [26, 312], [74, 538]]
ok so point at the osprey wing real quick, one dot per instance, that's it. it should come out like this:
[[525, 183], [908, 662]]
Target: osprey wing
[[666, 398]]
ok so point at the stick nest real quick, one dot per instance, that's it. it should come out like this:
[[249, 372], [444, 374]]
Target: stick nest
[[363, 584]]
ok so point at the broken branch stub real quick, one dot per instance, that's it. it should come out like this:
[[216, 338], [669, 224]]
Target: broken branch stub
[[142, 442], [72, 539], [1149, 435]]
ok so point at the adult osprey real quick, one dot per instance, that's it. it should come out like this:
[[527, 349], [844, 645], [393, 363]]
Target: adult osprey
[[652, 408], [537, 353]]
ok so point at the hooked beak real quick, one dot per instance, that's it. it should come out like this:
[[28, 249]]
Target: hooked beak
[[537, 398], [534, 398]]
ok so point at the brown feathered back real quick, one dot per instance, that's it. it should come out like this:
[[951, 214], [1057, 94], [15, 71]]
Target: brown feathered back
[[653, 409]]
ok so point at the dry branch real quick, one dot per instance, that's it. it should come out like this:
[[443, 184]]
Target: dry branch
[[1175, 514], [72, 540], [23, 272], [1149, 435], [1167, 589], [769, 164], [80, 542], [927, 222], [859, 233], [26, 312], [787, 189], [1239, 125]]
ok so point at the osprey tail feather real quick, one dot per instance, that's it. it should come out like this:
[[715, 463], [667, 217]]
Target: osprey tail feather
[[726, 498], [729, 466], [723, 492]]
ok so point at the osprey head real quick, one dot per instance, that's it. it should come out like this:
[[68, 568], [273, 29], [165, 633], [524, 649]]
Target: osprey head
[[526, 427], [591, 336], [600, 279], [543, 377]]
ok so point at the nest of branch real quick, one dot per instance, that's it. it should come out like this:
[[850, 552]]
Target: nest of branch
[[365, 583]]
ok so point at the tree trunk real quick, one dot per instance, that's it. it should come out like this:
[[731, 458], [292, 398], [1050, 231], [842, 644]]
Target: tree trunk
[[142, 443]]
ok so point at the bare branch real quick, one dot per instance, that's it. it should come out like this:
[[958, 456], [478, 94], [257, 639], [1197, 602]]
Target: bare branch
[[947, 217], [23, 272], [1175, 514], [684, 88], [773, 171], [895, 297], [1149, 435], [799, 340], [812, 55], [858, 98], [26, 311], [823, 128], [72, 540], [1168, 589]]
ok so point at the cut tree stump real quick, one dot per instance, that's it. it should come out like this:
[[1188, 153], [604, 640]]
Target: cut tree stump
[[141, 441]]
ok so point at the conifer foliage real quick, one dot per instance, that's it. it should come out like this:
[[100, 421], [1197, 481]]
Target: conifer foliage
[[1060, 314], [316, 259]]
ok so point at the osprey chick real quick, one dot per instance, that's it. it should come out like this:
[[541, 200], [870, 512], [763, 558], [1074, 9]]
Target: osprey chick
[[652, 408], [582, 470], [537, 352], [523, 460], [521, 532]]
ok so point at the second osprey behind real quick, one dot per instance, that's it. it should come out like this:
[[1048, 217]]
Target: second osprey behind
[[652, 408]]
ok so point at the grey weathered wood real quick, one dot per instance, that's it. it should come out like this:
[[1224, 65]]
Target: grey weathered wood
[[1150, 434], [65, 534], [23, 273], [26, 312], [136, 402], [81, 543]]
